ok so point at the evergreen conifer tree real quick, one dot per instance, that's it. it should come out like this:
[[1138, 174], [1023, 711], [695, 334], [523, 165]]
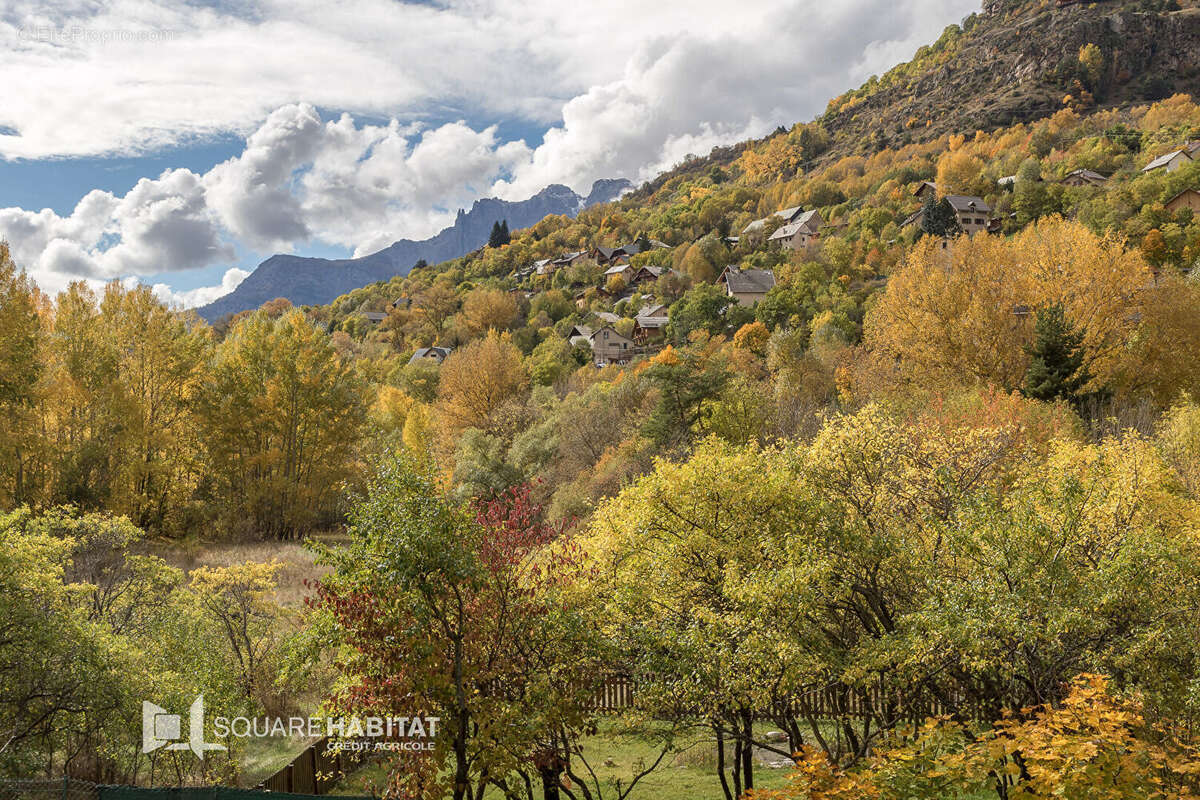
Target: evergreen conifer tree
[[938, 217], [1056, 369], [496, 237]]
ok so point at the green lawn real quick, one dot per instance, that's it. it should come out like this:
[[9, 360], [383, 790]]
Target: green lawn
[[688, 774]]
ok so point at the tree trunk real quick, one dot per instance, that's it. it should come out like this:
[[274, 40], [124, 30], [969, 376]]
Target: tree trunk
[[748, 749], [721, 761], [550, 781], [737, 762]]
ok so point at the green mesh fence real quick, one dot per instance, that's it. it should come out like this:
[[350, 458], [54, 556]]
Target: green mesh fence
[[66, 789]]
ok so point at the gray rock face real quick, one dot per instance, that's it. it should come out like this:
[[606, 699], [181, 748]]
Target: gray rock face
[[310, 281]]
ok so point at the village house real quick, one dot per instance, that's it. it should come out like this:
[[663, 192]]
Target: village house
[[800, 233], [1173, 160], [622, 269], [570, 259], [1188, 198], [607, 255], [788, 215], [543, 267], [610, 347], [580, 334], [401, 303], [973, 214], [1084, 177], [426, 354], [925, 189], [746, 286], [610, 255], [375, 317], [650, 324], [649, 274]]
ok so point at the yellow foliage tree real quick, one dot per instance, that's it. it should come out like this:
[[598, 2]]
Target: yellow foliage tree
[[477, 380], [1093, 745], [958, 172], [488, 309], [752, 336], [697, 265], [965, 312]]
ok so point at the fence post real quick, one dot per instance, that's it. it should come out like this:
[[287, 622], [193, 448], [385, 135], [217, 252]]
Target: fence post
[[65, 786]]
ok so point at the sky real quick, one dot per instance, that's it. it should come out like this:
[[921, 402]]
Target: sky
[[180, 142]]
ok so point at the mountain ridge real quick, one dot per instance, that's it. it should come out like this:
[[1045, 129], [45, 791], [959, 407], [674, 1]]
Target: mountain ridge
[[307, 280]]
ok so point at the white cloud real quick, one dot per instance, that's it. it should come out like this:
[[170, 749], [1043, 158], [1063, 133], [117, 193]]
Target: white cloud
[[191, 298], [160, 225], [626, 89]]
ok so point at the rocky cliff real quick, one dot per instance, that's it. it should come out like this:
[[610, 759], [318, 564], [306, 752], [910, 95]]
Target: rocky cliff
[[1018, 60]]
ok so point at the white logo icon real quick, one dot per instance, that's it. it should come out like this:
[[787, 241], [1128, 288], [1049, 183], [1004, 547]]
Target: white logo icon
[[160, 729]]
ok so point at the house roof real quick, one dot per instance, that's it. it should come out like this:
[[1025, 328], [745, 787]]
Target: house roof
[[617, 269], [1181, 194], [923, 185], [793, 214], [1087, 173], [567, 258], [652, 316], [375, 316], [437, 353], [580, 330], [1166, 158], [607, 316], [803, 222], [961, 202], [750, 281], [786, 231], [653, 272], [601, 330]]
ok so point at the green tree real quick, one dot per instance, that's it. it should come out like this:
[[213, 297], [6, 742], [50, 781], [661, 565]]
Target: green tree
[[1056, 369], [446, 609], [688, 382], [938, 217], [499, 235], [701, 308]]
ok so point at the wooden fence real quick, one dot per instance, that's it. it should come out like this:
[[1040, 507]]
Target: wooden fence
[[617, 694], [315, 771], [318, 769]]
